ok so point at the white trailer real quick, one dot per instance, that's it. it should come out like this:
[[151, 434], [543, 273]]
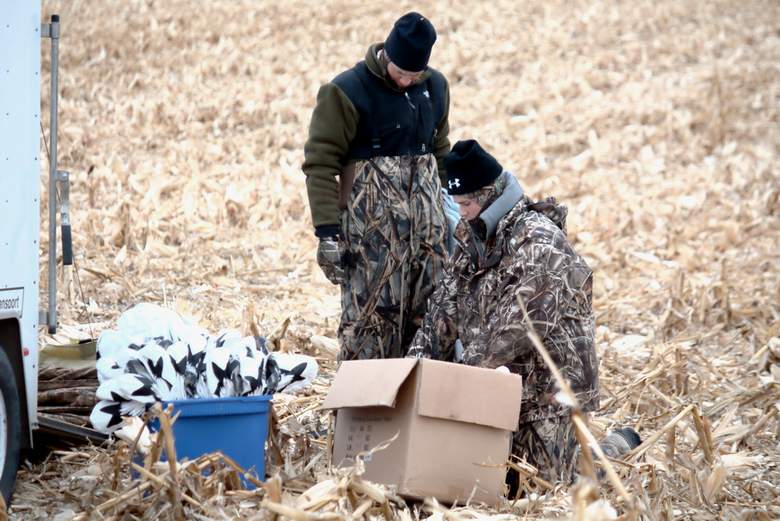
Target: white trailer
[[21, 34]]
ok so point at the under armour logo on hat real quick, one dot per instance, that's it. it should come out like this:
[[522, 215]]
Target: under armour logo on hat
[[470, 168]]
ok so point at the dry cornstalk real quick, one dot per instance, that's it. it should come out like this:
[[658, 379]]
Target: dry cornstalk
[[366, 488], [318, 503], [238, 468], [705, 435], [594, 444], [586, 459], [275, 339], [299, 515], [716, 476], [531, 475], [649, 442], [584, 493], [753, 429], [362, 509], [135, 491], [154, 451], [273, 488], [166, 431], [162, 484], [671, 440]]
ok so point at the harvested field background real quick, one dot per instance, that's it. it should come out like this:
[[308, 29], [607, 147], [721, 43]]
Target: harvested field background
[[183, 126]]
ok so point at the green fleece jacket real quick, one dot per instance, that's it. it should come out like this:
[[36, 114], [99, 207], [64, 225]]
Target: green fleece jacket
[[333, 125]]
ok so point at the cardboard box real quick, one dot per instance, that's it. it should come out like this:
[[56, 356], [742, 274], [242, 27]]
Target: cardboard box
[[454, 424]]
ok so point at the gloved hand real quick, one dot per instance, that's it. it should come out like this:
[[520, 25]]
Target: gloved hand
[[329, 258]]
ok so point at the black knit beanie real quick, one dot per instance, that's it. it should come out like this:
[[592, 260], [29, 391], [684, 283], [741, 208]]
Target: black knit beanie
[[469, 168], [409, 43]]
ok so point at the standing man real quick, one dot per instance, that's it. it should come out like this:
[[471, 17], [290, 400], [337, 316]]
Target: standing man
[[512, 257], [381, 127]]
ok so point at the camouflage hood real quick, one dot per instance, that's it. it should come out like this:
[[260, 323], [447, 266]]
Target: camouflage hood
[[550, 208], [506, 200]]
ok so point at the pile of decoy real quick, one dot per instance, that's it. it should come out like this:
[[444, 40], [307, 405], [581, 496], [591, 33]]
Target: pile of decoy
[[157, 355]]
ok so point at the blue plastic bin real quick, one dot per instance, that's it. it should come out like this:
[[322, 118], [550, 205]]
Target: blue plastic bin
[[236, 427]]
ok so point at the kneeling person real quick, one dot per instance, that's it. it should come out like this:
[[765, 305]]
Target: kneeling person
[[512, 254]]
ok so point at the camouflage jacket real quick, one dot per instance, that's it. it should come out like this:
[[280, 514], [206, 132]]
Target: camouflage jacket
[[528, 259]]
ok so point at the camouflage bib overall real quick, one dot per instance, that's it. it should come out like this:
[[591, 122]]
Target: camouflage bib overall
[[394, 233]]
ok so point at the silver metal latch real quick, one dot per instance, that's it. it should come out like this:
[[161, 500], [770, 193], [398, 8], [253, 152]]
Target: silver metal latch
[[51, 30]]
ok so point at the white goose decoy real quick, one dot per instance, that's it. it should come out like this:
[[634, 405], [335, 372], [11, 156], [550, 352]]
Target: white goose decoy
[[296, 371], [114, 349], [249, 369], [177, 355], [156, 355], [218, 366]]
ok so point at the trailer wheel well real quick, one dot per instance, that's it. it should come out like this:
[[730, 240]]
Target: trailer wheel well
[[10, 342]]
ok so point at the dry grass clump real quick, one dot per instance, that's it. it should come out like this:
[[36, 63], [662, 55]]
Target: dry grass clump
[[183, 126]]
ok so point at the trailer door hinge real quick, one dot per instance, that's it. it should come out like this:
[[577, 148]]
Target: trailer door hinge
[[51, 30]]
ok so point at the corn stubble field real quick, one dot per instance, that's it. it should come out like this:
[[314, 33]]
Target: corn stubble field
[[183, 126]]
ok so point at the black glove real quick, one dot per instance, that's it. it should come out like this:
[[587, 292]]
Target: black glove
[[329, 256]]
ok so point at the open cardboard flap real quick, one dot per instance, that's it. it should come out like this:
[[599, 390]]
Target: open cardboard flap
[[368, 383], [469, 394]]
